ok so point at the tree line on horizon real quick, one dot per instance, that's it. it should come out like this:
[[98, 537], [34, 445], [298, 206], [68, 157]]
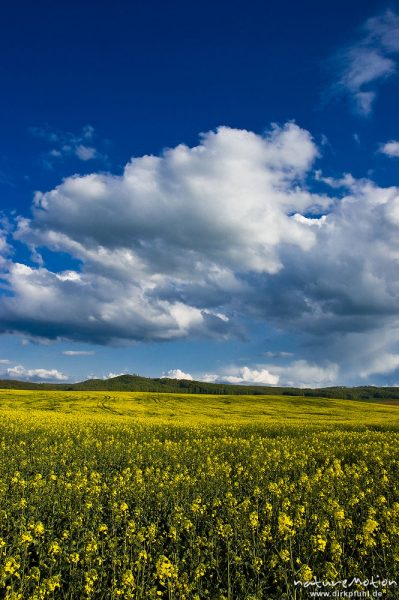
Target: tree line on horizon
[[136, 383]]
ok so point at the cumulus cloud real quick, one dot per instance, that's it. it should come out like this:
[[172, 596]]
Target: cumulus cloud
[[372, 59], [390, 149], [260, 376], [20, 372], [299, 373], [162, 246], [383, 363], [196, 241], [342, 297], [177, 374]]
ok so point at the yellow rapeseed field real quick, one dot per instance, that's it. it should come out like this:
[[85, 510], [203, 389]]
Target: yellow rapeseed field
[[149, 496]]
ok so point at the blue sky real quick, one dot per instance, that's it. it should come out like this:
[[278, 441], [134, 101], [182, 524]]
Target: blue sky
[[200, 189]]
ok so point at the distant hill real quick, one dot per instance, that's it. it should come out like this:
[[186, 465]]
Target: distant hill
[[135, 383]]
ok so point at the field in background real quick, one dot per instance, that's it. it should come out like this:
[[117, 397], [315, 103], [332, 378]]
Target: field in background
[[146, 495], [201, 409]]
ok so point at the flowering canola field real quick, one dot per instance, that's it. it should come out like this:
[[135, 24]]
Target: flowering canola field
[[149, 496]]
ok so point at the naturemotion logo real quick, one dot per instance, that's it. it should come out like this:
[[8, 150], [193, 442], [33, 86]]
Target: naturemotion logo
[[375, 587]]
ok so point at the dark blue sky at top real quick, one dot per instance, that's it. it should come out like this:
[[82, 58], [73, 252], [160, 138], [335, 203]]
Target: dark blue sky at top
[[147, 75], [151, 75]]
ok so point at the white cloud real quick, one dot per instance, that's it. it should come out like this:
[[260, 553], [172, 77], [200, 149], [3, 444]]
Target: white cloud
[[4, 247], [78, 352], [4, 361], [192, 217], [6, 250], [384, 30], [391, 149], [372, 59], [198, 240], [299, 373], [310, 222], [381, 364], [366, 65], [85, 152], [248, 375], [177, 374], [346, 181], [20, 372], [189, 199], [66, 144], [112, 375]]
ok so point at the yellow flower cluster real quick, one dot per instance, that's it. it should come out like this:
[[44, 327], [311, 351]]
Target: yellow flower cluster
[[108, 508]]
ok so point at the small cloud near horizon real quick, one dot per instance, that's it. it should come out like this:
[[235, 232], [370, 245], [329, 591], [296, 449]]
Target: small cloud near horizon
[[78, 352], [177, 374], [20, 372], [112, 375]]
